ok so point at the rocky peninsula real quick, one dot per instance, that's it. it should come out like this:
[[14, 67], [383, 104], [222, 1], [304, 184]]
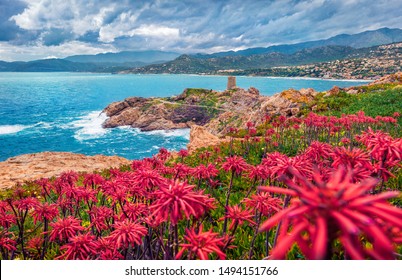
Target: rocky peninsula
[[215, 111]]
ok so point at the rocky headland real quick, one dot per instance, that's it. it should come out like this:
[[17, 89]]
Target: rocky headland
[[215, 111], [48, 164]]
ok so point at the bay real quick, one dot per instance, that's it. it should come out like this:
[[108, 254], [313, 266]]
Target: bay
[[62, 111]]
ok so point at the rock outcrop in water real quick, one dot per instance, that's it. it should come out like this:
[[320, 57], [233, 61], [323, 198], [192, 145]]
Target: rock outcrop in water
[[47, 164], [216, 111]]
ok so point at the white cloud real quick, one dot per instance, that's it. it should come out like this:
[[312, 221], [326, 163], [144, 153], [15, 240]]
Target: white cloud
[[9, 52], [153, 30], [74, 16]]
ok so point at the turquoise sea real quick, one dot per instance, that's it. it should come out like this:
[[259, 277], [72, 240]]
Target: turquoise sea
[[62, 111]]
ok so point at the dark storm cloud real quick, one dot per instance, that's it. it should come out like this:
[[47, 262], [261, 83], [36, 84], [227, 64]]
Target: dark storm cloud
[[8, 29], [185, 26]]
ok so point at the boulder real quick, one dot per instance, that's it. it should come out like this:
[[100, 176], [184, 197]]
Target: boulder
[[201, 137]]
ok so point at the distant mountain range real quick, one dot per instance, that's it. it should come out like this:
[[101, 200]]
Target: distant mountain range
[[337, 47], [194, 64], [365, 39], [105, 62], [126, 57]]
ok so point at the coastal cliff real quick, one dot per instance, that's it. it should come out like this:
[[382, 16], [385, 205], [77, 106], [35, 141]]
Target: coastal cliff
[[215, 111]]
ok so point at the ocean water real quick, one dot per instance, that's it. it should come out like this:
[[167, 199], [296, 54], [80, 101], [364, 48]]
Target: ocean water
[[63, 111]]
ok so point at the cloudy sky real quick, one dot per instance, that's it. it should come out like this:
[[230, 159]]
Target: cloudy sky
[[34, 29]]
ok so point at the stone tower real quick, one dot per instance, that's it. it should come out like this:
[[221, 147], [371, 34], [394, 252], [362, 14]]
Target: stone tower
[[231, 82]]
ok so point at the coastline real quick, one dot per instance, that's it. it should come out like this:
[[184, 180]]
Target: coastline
[[192, 74]]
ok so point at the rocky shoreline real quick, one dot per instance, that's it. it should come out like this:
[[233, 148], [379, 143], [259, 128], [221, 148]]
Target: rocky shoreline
[[48, 164], [215, 111]]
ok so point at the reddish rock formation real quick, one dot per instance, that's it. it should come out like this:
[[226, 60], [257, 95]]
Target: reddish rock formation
[[216, 111], [47, 164], [201, 137]]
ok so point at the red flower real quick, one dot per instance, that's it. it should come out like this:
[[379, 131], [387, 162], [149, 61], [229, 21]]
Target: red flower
[[183, 153], [93, 179], [127, 233], [101, 217], [353, 158], [148, 179], [26, 204], [6, 241], [34, 245], [235, 164], [63, 229], [264, 203], [339, 208], [6, 219], [204, 172], [258, 172], [181, 170], [238, 216], [80, 247], [134, 211], [281, 164], [107, 250], [179, 198], [45, 211], [202, 244], [318, 151], [69, 177]]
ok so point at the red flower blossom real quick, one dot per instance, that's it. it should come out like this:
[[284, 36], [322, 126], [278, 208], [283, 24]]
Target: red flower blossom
[[92, 180], [339, 208], [235, 164], [34, 245], [6, 241], [26, 204], [63, 229], [282, 164], [6, 219], [148, 179], [45, 211], [163, 154], [318, 151], [183, 153], [101, 217], [107, 250], [258, 172], [69, 177], [353, 158], [238, 216], [179, 198], [133, 211], [264, 203], [204, 172], [127, 233], [202, 244], [80, 247], [181, 170]]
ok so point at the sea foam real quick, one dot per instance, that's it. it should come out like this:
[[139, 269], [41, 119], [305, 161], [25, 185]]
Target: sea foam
[[90, 126], [11, 129], [183, 133]]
